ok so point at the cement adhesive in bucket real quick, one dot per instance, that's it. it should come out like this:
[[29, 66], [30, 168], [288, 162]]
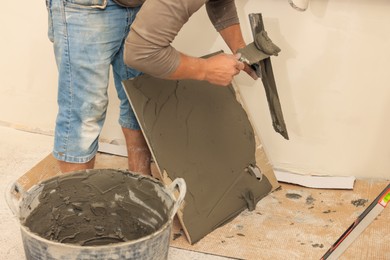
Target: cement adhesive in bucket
[[98, 214]]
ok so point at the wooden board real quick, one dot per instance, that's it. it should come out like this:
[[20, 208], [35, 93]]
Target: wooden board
[[48, 168]]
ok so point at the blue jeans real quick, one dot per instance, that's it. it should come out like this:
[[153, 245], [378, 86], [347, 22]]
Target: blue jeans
[[88, 37]]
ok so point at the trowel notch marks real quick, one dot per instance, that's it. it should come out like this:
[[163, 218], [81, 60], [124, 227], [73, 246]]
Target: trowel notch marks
[[197, 110], [224, 194], [177, 96], [187, 126]]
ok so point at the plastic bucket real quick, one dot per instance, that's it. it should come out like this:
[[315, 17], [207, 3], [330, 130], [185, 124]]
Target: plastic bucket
[[144, 199]]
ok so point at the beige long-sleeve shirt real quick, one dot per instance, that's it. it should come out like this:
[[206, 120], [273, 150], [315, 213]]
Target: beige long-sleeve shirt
[[148, 45]]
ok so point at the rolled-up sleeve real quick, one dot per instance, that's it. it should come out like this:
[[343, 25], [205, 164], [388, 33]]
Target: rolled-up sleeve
[[154, 59], [148, 45], [222, 13]]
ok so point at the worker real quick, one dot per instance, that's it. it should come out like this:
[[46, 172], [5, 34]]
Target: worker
[[88, 38]]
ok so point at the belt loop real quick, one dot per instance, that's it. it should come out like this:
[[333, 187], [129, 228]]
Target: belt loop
[[102, 6]]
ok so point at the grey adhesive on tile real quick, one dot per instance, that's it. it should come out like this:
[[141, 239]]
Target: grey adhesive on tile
[[200, 132]]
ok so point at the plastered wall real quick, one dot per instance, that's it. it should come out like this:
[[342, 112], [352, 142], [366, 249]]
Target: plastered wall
[[332, 77]]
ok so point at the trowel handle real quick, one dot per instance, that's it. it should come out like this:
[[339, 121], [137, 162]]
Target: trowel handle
[[180, 185], [11, 199]]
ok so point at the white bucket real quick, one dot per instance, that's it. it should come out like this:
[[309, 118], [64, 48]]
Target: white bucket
[[157, 212], [300, 5]]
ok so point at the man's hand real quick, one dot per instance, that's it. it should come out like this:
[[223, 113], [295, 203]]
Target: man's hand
[[220, 69], [248, 69], [233, 37]]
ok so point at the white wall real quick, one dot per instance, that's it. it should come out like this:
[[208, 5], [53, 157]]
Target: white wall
[[29, 73], [331, 76]]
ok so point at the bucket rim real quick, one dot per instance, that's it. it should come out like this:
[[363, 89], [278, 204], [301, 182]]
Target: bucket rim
[[119, 244], [167, 189]]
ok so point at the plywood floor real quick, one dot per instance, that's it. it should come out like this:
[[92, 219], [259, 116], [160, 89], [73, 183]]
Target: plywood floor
[[301, 223], [291, 223]]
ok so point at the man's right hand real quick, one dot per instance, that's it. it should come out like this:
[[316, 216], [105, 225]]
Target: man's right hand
[[220, 69]]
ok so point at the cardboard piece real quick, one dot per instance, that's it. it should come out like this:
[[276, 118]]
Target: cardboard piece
[[115, 149], [315, 181], [200, 132]]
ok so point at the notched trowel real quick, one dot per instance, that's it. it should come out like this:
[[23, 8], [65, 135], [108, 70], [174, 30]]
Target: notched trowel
[[257, 55]]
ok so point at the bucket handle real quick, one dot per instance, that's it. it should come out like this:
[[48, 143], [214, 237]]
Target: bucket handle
[[180, 185], [11, 199]]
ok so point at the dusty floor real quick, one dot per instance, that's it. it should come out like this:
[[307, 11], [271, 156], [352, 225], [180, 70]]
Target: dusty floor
[[293, 222], [19, 152]]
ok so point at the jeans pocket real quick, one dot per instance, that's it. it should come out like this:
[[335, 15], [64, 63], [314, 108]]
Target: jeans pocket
[[101, 4], [50, 31]]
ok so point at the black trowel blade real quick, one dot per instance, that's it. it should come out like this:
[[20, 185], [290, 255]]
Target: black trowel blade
[[264, 68]]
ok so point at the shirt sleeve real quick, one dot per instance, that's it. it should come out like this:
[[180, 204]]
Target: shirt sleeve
[[222, 13], [148, 45]]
